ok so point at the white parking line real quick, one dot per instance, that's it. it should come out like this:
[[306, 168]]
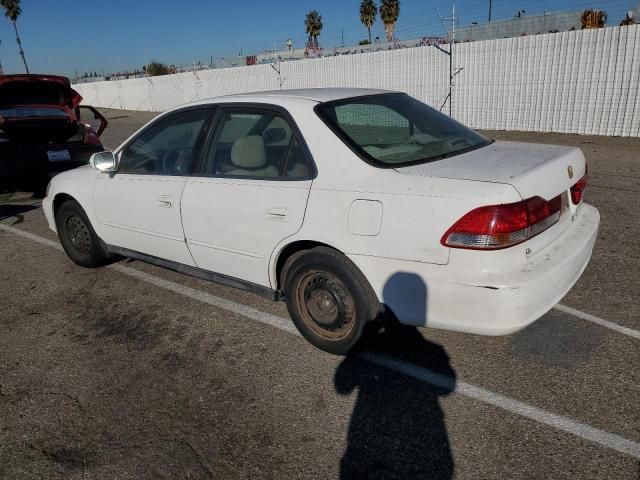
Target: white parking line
[[559, 422], [598, 321]]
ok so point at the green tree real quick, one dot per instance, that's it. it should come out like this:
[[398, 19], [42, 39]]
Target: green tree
[[389, 13], [313, 25], [368, 12], [12, 11], [156, 68]]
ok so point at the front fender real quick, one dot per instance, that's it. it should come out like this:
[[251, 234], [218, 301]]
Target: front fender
[[77, 184]]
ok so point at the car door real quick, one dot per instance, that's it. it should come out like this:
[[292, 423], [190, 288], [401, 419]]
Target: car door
[[138, 207], [249, 192], [92, 117]]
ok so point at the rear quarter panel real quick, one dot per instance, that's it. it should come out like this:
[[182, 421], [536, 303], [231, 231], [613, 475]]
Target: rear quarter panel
[[405, 215]]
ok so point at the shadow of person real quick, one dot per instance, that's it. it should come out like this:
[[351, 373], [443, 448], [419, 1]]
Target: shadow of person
[[397, 427]]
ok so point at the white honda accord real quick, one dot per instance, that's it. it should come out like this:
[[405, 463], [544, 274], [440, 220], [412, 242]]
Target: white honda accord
[[343, 202]]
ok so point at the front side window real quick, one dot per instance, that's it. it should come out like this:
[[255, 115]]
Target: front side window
[[167, 147], [256, 143], [395, 130]]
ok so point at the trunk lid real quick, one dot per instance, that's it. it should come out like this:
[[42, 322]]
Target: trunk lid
[[38, 108], [532, 169]]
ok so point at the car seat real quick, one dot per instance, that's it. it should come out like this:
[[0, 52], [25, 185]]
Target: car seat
[[249, 157]]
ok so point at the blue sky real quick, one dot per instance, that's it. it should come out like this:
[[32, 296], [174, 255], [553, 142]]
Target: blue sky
[[65, 36]]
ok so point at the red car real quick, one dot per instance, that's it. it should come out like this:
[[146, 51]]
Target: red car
[[43, 130]]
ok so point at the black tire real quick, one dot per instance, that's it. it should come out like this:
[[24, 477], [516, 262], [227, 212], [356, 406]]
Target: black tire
[[329, 300], [77, 236]]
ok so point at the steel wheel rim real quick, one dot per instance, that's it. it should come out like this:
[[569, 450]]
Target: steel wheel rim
[[326, 306], [78, 234]]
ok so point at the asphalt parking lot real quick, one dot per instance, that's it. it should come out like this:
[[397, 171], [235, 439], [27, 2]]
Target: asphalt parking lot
[[132, 371]]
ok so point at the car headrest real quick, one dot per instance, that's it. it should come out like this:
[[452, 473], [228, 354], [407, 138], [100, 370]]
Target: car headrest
[[248, 152]]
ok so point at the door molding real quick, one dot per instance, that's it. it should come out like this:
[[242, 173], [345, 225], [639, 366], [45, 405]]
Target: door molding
[[266, 292]]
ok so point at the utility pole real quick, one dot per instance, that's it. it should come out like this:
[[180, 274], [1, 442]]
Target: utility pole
[[490, 7], [452, 41], [278, 70], [1, 71], [277, 64]]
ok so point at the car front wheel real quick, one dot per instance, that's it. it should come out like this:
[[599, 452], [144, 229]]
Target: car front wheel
[[328, 298], [77, 237]]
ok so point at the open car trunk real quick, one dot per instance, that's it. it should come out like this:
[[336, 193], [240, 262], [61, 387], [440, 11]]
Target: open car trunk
[[38, 108]]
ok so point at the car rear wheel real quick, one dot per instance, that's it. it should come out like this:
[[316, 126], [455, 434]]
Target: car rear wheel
[[77, 237], [328, 298]]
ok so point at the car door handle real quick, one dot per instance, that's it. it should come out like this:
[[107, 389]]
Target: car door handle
[[164, 201], [278, 213]]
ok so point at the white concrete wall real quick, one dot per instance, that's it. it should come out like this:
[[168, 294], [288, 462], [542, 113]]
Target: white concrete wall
[[585, 81]]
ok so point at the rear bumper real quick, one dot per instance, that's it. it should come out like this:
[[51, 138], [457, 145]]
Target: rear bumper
[[417, 294], [27, 165]]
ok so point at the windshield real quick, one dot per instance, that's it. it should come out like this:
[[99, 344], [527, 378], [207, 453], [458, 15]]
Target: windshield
[[392, 130]]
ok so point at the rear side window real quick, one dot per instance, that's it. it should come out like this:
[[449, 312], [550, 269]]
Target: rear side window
[[255, 143], [168, 147], [393, 130]]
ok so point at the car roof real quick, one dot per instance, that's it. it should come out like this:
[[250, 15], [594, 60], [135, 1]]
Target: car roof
[[317, 95]]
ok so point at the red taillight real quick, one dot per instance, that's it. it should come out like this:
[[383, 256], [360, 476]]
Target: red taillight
[[579, 187], [500, 226]]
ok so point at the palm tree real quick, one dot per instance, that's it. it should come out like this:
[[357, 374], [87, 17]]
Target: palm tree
[[313, 24], [12, 11], [389, 13], [368, 12]]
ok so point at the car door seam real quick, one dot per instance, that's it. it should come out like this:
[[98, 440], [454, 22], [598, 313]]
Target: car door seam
[[284, 240], [184, 233]]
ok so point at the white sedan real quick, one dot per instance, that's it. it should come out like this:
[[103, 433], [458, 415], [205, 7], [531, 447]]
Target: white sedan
[[346, 203]]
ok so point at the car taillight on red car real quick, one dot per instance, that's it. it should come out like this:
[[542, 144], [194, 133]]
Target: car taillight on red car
[[577, 190], [501, 226]]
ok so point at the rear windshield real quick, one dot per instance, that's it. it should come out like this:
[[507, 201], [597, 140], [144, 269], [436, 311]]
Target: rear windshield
[[392, 130], [23, 112]]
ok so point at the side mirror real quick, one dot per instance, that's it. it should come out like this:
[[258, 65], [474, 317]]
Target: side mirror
[[103, 161]]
